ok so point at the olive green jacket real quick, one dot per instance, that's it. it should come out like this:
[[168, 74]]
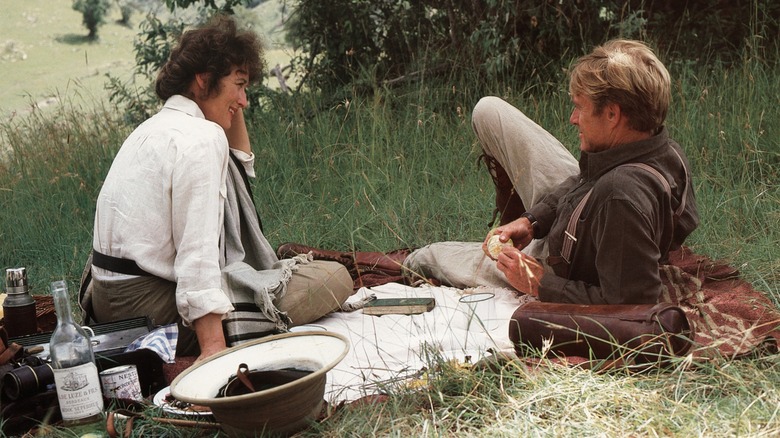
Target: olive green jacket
[[626, 229]]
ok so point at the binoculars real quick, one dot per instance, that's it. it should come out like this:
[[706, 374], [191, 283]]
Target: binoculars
[[26, 381]]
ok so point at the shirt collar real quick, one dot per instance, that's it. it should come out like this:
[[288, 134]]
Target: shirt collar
[[177, 102], [595, 164]]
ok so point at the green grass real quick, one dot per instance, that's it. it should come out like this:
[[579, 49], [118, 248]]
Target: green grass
[[729, 122], [399, 169]]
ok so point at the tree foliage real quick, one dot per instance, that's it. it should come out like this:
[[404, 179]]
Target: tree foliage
[[214, 5], [388, 41], [363, 44]]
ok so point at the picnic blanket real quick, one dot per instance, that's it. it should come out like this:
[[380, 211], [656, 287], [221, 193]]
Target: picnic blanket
[[731, 319], [392, 349], [396, 349]]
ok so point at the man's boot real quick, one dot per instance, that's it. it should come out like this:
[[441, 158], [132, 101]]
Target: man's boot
[[508, 203], [375, 268], [366, 268]]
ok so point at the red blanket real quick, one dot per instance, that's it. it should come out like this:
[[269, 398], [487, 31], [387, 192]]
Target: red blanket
[[729, 316]]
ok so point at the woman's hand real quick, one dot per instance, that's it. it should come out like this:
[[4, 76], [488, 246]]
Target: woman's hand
[[523, 272], [237, 135]]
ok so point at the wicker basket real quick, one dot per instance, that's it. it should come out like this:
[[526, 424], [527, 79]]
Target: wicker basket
[[44, 312]]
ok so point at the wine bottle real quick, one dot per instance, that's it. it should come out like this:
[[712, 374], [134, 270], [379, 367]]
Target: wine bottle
[[73, 361]]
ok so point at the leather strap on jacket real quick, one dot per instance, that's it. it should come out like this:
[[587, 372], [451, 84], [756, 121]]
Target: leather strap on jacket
[[570, 232]]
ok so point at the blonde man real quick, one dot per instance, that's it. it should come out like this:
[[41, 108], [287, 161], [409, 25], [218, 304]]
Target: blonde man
[[621, 94]]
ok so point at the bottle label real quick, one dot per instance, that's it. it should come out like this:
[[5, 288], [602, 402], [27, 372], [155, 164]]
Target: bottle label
[[78, 390]]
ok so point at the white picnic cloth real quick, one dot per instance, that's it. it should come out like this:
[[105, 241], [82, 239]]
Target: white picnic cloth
[[389, 349]]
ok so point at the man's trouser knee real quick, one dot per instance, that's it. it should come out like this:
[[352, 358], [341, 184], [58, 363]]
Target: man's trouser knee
[[535, 161], [315, 289]]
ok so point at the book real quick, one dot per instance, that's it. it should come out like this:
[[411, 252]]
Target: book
[[399, 306]]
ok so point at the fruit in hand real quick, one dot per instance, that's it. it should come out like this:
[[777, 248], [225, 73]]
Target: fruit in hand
[[495, 245]]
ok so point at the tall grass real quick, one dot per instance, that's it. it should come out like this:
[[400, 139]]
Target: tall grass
[[729, 122], [400, 170], [50, 174], [375, 174]]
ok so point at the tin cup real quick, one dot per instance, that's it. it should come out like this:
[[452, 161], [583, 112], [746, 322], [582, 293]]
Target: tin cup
[[478, 312], [121, 382]]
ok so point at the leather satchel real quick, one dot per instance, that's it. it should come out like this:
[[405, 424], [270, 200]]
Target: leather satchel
[[634, 333]]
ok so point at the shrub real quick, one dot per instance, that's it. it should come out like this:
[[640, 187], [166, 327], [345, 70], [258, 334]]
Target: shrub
[[94, 13]]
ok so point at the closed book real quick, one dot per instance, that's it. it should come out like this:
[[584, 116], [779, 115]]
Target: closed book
[[399, 306]]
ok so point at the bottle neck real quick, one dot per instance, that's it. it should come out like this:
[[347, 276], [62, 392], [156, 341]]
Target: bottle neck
[[59, 291]]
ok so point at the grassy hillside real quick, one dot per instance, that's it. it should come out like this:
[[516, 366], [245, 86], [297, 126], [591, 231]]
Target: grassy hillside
[[399, 169], [45, 57]]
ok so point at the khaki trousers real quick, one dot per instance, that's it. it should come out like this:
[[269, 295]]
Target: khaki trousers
[[315, 289], [535, 161]]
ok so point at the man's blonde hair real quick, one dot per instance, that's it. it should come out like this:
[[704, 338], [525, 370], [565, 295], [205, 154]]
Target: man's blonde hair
[[627, 73]]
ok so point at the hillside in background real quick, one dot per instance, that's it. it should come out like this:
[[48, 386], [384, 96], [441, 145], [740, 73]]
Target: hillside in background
[[45, 57]]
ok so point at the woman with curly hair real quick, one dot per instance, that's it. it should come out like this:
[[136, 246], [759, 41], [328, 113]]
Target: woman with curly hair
[[176, 212]]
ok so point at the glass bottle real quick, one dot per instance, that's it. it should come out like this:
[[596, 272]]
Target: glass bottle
[[73, 361], [19, 316]]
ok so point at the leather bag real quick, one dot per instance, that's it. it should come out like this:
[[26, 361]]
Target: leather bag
[[638, 333]]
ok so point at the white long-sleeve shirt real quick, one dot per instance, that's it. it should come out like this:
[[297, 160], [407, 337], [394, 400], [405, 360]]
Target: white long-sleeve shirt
[[162, 205]]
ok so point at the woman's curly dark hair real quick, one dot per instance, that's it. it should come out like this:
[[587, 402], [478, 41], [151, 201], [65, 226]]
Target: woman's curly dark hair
[[215, 48]]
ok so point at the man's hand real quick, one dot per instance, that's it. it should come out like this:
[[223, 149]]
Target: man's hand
[[520, 231], [523, 272], [211, 338]]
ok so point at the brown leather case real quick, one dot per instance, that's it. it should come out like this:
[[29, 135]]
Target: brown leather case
[[641, 333]]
